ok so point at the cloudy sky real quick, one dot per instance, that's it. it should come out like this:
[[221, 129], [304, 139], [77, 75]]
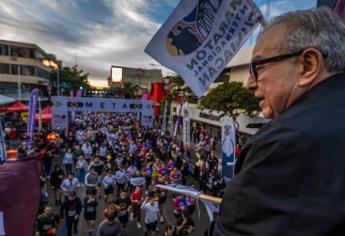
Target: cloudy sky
[[96, 34]]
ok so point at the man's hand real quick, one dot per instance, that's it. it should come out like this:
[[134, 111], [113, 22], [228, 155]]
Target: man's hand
[[76, 217]]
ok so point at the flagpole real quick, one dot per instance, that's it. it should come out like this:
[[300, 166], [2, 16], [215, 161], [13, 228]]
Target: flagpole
[[210, 198], [213, 199], [39, 114]]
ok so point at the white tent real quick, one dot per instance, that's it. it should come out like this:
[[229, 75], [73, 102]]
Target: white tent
[[6, 100]]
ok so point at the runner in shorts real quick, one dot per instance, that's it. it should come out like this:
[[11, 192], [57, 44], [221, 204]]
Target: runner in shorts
[[90, 211], [150, 206]]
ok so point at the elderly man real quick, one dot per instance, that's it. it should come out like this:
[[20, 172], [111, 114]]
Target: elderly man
[[290, 177]]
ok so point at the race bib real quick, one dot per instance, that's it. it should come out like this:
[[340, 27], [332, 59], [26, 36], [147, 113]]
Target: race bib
[[122, 213], [90, 209], [72, 213], [47, 226]]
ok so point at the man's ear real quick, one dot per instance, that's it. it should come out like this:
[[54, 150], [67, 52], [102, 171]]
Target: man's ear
[[310, 65]]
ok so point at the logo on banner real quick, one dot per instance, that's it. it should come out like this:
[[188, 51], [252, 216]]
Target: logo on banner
[[227, 130], [188, 34]]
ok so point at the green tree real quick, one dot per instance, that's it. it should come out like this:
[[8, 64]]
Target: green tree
[[129, 90], [232, 99], [74, 78]]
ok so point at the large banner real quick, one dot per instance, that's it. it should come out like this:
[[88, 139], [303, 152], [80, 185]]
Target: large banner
[[62, 105], [228, 146], [201, 37], [32, 111]]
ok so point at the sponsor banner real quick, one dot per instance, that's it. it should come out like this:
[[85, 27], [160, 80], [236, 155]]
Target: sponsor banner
[[32, 111], [186, 128], [3, 154], [201, 37], [62, 105], [228, 146]]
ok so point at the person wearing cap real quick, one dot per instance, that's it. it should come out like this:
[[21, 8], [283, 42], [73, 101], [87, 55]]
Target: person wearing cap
[[70, 210], [289, 177]]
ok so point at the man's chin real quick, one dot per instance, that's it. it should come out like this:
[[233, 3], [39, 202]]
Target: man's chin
[[267, 113]]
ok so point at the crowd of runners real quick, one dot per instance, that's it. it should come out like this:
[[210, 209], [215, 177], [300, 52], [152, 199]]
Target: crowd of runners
[[109, 157]]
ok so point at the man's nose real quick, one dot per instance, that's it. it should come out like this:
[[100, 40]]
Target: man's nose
[[250, 84]]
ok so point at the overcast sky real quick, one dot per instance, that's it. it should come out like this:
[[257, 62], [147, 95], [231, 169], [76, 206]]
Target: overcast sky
[[96, 34]]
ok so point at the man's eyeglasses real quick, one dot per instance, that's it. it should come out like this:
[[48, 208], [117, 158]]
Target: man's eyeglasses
[[253, 64]]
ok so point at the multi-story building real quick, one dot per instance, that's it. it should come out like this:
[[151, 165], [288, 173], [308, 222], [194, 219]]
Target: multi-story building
[[136, 76], [25, 66]]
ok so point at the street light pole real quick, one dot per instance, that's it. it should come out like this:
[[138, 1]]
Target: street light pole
[[19, 84], [58, 81]]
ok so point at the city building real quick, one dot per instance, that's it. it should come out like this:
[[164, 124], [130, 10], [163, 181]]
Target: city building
[[25, 66], [136, 76]]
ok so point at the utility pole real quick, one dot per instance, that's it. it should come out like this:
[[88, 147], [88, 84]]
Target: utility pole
[[19, 83]]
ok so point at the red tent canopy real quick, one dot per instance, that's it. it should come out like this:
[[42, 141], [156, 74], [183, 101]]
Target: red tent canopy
[[46, 114], [16, 107]]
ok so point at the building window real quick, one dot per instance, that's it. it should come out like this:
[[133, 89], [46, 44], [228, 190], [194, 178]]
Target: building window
[[4, 68], [42, 73], [14, 69], [24, 70], [27, 70], [22, 52], [39, 55], [3, 50]]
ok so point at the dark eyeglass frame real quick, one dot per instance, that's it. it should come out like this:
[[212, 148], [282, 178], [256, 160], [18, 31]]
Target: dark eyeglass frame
[[254, 63]]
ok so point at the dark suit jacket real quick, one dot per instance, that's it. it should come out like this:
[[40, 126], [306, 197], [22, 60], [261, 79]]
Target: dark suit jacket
[[290, 176]]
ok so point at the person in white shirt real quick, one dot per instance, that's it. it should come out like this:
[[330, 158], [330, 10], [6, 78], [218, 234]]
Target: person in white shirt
[[68, 160], [108, 183], [87, 150], [150, 206], [70, 184], [121, 178], [131, 170]]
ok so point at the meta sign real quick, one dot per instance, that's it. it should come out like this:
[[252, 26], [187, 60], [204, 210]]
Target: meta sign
[[63, 105]]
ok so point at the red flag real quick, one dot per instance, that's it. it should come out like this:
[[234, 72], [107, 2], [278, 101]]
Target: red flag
[[339, 8]]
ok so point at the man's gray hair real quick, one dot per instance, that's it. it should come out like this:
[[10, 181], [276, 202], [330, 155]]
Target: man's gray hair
[[319, 28]]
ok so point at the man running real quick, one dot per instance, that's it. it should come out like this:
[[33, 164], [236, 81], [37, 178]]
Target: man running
[[47, 222], [71, 209]]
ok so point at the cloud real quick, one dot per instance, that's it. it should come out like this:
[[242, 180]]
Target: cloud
[[95, 34]]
